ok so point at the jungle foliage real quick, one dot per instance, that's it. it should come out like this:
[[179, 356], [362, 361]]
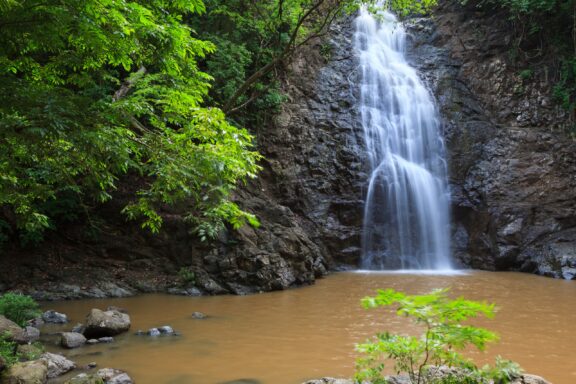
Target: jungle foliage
[[143, 99], [91, 91]]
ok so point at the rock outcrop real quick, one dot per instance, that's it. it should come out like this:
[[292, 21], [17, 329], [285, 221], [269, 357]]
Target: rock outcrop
[[512, 166]]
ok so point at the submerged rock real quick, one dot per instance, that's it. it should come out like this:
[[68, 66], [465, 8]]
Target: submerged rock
[[198, 315], [72, 340], [54, 317], [153, 332], [108, 323], [166, 330]]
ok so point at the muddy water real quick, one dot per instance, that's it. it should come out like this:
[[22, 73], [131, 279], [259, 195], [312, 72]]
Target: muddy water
[[287, 337]]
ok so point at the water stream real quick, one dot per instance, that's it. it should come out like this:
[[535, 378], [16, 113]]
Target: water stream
[[289, 336], [406, 218]]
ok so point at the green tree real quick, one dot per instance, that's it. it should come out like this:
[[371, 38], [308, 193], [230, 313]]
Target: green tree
[[443, 337], [92, 90]]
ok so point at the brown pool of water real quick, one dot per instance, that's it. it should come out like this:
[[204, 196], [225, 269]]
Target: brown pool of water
[[290, 336]]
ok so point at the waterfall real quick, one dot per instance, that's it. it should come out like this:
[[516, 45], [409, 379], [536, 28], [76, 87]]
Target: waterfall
[[406, 217]]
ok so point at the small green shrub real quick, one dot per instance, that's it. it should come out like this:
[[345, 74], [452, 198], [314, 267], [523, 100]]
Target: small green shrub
[[19, 308], [187, 276], [443, 337], [8, 351]]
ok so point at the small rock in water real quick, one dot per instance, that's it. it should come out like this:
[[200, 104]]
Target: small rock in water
[[54, 317], [107, 339], [114, 376], [166, 329], [72, 340], [91, 365], [198, 315], [92, 341], [153, 332], [139, 332]]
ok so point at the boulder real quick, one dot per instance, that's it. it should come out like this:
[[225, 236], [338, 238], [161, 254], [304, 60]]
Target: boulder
[[11, 329], [29, 372], [29, 335], [108, 323], [114, 376], [57, 364], [54, 317], [72, 340]]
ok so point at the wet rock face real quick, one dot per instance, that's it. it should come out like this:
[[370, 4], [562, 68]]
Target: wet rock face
[[512, 169], [315, 152]]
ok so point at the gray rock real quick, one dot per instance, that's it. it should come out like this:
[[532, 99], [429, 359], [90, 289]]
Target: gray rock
[[530, 379], [54, 317], [29, 372], [57, 364], [198, 315], [114, 376], [153, 332], [11, 330], [166, 330], [109, 323], [72, 340], [107, 339], [30, 334], [92, 341]]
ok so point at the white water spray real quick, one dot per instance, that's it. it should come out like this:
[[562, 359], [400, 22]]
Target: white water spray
[[406, 217]]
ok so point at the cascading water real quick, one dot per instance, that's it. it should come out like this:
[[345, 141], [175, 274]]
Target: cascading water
[[406, 218]]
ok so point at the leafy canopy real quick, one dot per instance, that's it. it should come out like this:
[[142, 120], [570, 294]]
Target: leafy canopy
[[443, 337], [91, 90]]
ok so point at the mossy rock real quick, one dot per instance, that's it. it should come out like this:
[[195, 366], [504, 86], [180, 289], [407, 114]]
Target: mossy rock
[[29, 372]]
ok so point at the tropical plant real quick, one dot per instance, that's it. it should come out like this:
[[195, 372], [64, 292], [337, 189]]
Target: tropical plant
[[19, 308], [434, 356]]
